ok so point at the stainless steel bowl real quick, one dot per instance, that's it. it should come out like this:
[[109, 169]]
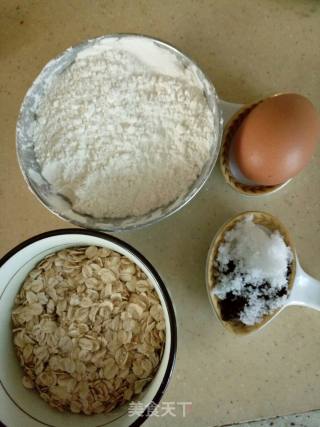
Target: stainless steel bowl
[[58, 204]]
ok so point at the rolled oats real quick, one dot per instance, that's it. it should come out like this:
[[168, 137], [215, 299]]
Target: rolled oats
[[88, 329]]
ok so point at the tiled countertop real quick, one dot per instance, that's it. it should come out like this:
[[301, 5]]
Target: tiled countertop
[[249, 49], [309, 419]]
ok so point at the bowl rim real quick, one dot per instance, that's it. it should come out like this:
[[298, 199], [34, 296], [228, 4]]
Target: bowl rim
[[101, 226], [166, 296]]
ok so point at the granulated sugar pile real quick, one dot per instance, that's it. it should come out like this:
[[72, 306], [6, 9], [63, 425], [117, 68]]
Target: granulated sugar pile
[[254, 267], [118, 138]]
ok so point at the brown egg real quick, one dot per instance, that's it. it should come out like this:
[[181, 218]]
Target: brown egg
[[277, 139]]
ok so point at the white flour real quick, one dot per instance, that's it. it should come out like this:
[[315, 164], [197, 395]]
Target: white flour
[[119, 139]]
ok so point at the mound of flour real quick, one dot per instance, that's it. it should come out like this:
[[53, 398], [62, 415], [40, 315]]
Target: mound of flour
[[117, 138]]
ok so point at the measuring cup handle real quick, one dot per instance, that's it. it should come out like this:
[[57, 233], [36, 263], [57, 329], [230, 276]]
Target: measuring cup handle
[[228, 109], [306, 290]]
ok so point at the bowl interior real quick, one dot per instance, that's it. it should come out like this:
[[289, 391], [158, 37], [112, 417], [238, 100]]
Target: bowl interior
[[19, 406], [168, 60], [269, 222]]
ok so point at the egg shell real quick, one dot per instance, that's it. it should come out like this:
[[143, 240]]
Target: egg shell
[[277, 139]]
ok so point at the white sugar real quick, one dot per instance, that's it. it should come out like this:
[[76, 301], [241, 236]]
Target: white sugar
[[253, 264]]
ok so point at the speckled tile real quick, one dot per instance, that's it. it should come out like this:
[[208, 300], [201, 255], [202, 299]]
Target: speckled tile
[[311, 419]]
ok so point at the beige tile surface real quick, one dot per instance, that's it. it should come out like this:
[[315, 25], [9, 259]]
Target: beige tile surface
[[310, 419], [249, 48]]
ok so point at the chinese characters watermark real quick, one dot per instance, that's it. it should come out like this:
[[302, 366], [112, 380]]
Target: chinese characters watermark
[[173, 409]]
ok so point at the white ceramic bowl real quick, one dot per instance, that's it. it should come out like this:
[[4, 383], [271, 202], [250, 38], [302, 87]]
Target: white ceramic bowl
[[20, 407]]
